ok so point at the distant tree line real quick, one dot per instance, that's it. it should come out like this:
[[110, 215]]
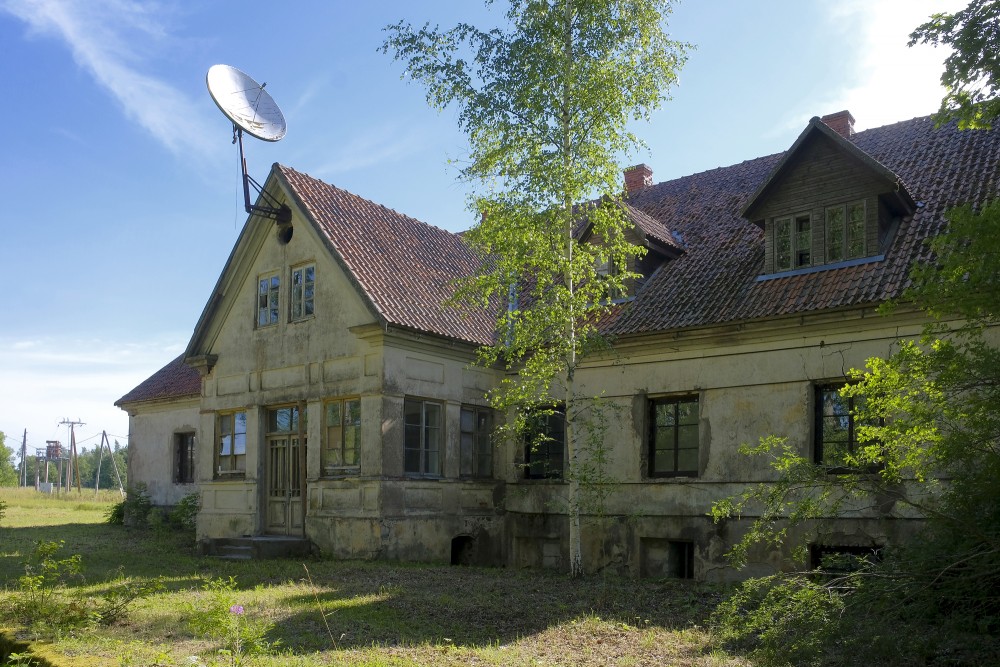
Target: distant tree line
[[87, 461]]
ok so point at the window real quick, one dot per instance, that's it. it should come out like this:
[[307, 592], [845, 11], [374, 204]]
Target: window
[[267, 299], [232, 443], [545, 442], [842, 559], [673, 438], [476, 455], [342, 444], [845, 231], [303, 291], [836, 428], [184, 458], [792, 242], [422, 423], [680, 559]]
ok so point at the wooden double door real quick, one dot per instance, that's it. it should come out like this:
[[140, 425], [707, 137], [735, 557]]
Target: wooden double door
[[284, 505]]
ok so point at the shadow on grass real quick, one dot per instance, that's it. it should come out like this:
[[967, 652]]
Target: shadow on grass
[[365, 603], [399, 605]]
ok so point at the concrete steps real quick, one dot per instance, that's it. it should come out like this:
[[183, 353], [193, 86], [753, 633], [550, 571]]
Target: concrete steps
[[261, 547]]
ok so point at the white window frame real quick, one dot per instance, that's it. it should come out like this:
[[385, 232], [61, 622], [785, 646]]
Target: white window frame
[[303, 292], [268, 299]]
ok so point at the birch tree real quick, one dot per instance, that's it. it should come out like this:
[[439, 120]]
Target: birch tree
[[547, 102]]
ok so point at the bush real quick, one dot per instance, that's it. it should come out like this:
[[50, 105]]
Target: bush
[[225, 619], [781, 619], [185, 513], [116, 514], [137, 506]]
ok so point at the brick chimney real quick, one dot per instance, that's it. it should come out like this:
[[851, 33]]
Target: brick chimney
[[638, 177], [841, 122]]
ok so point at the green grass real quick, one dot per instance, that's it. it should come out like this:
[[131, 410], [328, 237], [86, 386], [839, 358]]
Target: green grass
[[378, 613]]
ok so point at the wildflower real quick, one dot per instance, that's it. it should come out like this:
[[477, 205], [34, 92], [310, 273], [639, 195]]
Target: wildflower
[[236, 609]]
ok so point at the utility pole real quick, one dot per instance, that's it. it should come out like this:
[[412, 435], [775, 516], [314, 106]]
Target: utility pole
[[23, 481], [72, 455]]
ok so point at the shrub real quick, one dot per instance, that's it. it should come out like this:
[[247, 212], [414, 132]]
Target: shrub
[[185, 513], [225, 619], [137, 505], [116, 514], [781, 619], [39, 599], [3, 509]]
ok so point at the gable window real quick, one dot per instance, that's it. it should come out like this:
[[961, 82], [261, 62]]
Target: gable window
[[184, 458], [673, 437], [792, 242], [476, 446], [267, 299], [342, 436], [845, 231], [303, 291], [544, 446], [231, 449], [422, 436], [836, 436]]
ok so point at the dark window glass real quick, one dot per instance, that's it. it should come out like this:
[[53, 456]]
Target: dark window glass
[[673, 438]]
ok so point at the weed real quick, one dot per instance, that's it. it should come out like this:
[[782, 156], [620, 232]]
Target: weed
[[185, 513], [123, 592], [225, 619], [39, 599]]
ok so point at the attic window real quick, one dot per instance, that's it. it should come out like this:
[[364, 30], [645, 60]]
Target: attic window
[[845, 231], [792, 242]]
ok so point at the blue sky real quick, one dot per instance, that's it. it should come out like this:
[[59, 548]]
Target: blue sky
[[120, 186]]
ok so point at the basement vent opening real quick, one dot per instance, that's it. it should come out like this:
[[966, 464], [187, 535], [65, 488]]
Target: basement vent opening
[[462, 550]]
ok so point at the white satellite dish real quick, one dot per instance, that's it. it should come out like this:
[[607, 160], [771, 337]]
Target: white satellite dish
[[245, 102], [251, 109]]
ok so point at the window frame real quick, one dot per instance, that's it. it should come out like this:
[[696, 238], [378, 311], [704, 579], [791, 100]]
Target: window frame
[[234, 469], [302, 299], [799, 241], [676, 469], [185, 457], [268, 300], [340, 467], [429, 438], [847, 237], [478, 453], [819, 419], [544, 455]]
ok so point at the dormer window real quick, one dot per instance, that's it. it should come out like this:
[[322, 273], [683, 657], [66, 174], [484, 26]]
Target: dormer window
[[792, 242], [845, 231]]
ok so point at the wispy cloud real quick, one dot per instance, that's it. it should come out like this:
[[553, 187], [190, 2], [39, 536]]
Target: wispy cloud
[[384, 144], [893, 82], [885, 80], [108, 39], [48, 379]]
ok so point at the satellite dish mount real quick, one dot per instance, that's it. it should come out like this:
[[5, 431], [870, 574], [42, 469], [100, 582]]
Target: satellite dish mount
[[251, 109]]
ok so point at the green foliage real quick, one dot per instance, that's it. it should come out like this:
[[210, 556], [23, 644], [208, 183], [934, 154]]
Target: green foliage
[[545, 104], [222, 617], [40, 599], [780, 620], [972, 71], [90, 460], [929, 443], [3, 510], [111, 607], [185, 513], [116, 514], [8, 472], [137, 506]]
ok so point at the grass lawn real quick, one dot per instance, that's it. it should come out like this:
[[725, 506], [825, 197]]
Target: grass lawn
[[376, 614]]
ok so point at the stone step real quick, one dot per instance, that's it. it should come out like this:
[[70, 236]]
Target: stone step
[[261, 547]]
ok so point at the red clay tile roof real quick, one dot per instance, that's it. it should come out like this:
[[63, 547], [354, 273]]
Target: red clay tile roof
[[715, 280], [175, 380], [406, 268]]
